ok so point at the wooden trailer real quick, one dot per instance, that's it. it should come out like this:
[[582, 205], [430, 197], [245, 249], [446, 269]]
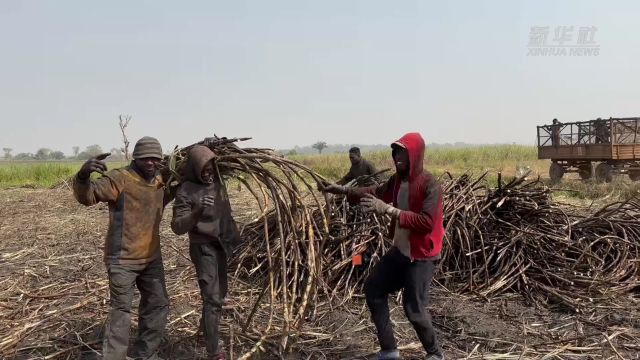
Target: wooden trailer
[[612, 143]]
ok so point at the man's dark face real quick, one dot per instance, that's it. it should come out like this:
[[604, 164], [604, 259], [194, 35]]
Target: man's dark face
[[401, 160], [207, 173], [149, 166], [354, 158]]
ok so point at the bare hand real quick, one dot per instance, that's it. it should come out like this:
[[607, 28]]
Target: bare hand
[[95, 164], [205, 202]]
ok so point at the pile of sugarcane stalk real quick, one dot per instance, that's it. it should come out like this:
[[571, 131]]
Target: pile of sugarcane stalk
[[512, 238], [515, 238], [351, 234]]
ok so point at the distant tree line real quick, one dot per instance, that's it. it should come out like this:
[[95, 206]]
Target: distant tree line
[[48, 154], [118, 154], [321, 147]]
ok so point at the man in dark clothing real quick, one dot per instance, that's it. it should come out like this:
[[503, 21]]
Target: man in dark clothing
[[602, 131], [359, 167], [136, 197], [412, 198], [555, 132], [202, 209]]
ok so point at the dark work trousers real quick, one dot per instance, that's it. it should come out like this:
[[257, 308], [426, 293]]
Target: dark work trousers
[[152, 311], [211, 268], [394, 272]]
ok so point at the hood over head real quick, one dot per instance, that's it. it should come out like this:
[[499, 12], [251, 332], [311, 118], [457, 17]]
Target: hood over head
[[199, 156], [414, 143]]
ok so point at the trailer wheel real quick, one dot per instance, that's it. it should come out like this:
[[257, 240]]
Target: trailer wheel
[[603, 172], [585, 171], [634, 175], [555, 173]]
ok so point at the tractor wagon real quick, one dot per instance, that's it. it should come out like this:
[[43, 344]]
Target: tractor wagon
[[612, 143]]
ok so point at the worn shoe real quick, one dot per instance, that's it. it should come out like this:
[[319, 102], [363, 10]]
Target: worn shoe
[[389, 354]]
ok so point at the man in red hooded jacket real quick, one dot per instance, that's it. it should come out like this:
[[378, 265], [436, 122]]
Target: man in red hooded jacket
[[412, 198]]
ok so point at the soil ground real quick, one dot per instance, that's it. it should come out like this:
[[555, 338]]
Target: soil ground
[[54, 300]]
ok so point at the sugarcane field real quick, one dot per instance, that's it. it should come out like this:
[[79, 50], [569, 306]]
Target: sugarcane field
[[335, 180]]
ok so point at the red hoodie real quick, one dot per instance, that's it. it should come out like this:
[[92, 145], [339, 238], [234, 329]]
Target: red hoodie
[[424, 219]]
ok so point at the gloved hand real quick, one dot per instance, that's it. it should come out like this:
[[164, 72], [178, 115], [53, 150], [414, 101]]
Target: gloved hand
[[95, 164], [333, 188], [371, 203]]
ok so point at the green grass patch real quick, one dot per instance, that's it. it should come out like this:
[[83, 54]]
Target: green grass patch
[[491, 158], [39, 174]]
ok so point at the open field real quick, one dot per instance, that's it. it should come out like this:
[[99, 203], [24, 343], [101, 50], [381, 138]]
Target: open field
[[491, 158], [500, 296], [506, 159]]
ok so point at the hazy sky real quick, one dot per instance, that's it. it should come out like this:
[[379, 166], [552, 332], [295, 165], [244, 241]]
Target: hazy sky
[[293, 72]]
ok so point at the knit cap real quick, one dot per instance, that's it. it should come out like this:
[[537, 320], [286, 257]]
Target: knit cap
[[147, 147]]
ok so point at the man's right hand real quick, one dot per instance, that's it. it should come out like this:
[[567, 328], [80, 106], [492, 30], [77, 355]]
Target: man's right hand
[[205, 202], [95, 164]]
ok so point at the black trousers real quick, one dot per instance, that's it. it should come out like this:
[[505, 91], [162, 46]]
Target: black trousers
[[211, 268], [152, 311], [394, 272]]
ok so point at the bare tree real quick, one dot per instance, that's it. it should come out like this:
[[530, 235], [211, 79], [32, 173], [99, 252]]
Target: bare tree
[[76, 151], [124, 122]]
